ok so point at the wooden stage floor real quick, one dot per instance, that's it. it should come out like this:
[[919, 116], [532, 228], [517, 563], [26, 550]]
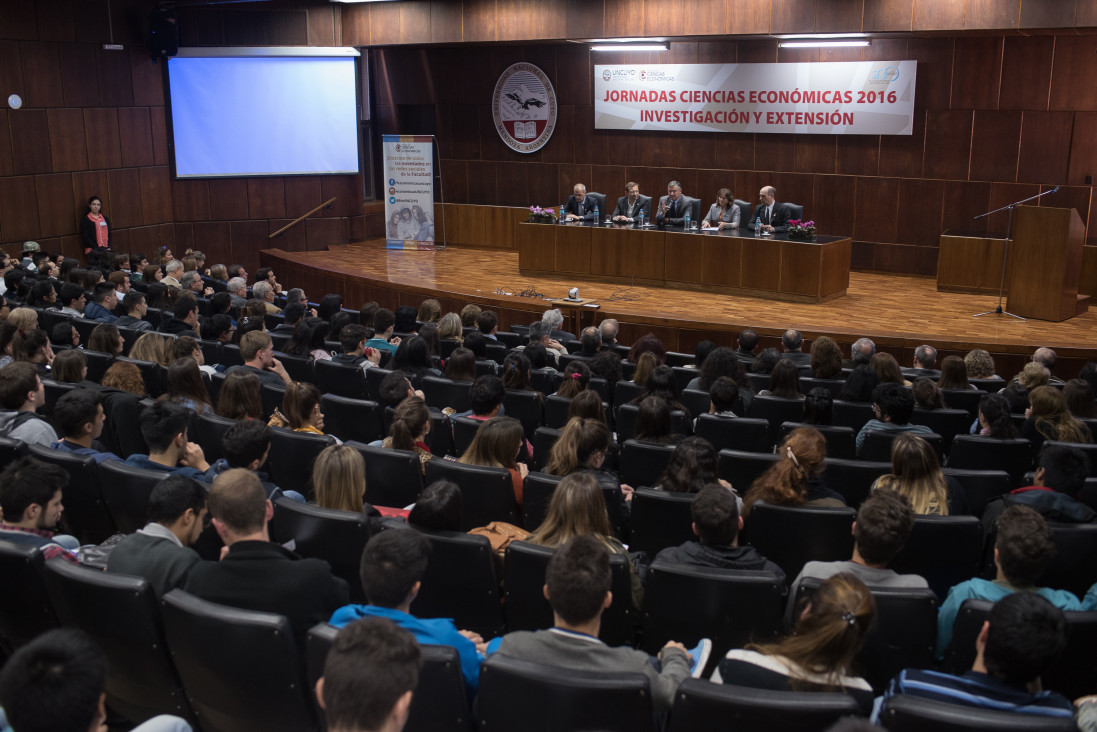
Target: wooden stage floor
[[896, 311]]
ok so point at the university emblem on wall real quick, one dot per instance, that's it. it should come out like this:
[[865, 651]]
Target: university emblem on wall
[[524, 108]]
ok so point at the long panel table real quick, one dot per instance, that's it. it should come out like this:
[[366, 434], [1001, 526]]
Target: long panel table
[[730, 261]]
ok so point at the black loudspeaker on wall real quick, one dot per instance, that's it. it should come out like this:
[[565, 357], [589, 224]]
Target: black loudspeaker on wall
[[163, 34]]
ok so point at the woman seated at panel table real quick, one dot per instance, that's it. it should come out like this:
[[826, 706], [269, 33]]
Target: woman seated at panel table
[[723, 214]]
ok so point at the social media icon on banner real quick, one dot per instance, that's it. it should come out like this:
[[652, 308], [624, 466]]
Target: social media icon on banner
[[392, 199], [392, 181]]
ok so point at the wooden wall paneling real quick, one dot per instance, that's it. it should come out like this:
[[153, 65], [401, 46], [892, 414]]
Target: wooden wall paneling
[[904, 258], [857, 154], [42, 75], [104, 149], [594, 147], [610, 180], [680, 257], [877, 203], [341, 187], [965, 200], [1026, 72], [88, 183], [321, 26], [935, 64], [30, 141], [159, 128], [948, 144], [1083, 149], [1003, 194], [183, 234], [322, 233], [995, 142], [795, 188], [115, 81], [1045, 147], [213, 238], [483, 183], [902, 155], [839, 15], [996, 14], [79, 85], [920, 211], [1087, 280], [572, 249], [267, 198], [266, 27], [860, 254], [542, 189], [756, 52], [135, 128], [478, 21], [124, 185], [228, 199], [698, 150], [147, 78], [464, 224], [934, 15], [465, 131], [511, 179], [584, 19], [302, 194], [716, 52], [775, 152], [517, 20], [1078, 197], [190, 199], [56, 21], [566, 178], [574, 74], [709, 181], [888, 15], [247, 238], [68, 146], [455, 184], [1074, 77], [354, 25], [1047, 14], [815, 153], [7, 165], [11, 68], [18, 208], [621, 16], [156, 195], [20, 21], [499, 226], [792, 16], [735, 150], [747, 17], [667, 19], [55, 210], [976, 73], [445, 22], [1086, 14], [833, 207]]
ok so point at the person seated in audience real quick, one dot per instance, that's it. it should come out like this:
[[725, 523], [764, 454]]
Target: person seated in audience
[[293, 314], [187, 347], [1079, 397], [1023, 548], [1060, 475], [893, 406], [516, 368], [500, 443], [925, 356], [257, 351], [917, 476], [954, 375], [591, 340], [723, 396], [256, 573], [645, 364], [477, 342], [691, 466], [887, 369], [795, 479], [384, 655], [339, 478], [123, 283], [308, 340], [577, 586], [395, 388], [173, 270], [429, 333], [860, 353], [430, 311], [64, 335], [1019, 641], [647, 344], [817, 655], [1031, 376], [21, 394], [57, 682], [33, 347], [773, 215], [979, 364], [792, 345], [469, 314], [884, 522], [654, 422], [23, 318], [411, 424], [487, 323], [582, 446], [609, 328], [237, 289], [826, 359], [300, 409], [151, 274], [576, 380], [72, 299], [31, 508], [606, 365], [164, 427], [247, 445], [438, 507], [42, 295], [579, 207], [184, 319], [219, 327], [383, 322], [662, 383], [79, 416], [994, 418], [105, 300], [124, 376], [264, 293], [353, 339], [106, 339], [717, 523], [404, 316], [392, 569], [555, 321], [1047, 358], [722, 362], [71, 367], [587, 405], [1047, 418], [539, 334], [186, 387], [818, 407], [461, 365], [449, 328], [160, 552], [784, 381], [240, 397], [926, 394], [765, 361]]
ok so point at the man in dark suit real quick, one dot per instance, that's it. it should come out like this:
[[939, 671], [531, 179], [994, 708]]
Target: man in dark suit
[[793, 343], [629, 207], [256, 573], [924, 358], [579, 207], [774, 215], [673, 206]]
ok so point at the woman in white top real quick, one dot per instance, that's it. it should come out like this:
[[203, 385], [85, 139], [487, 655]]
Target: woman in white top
[[817, 656], [723, 214]]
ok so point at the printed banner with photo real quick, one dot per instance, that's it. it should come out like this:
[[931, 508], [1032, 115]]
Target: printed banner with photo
[[847, 98], [409, 191]]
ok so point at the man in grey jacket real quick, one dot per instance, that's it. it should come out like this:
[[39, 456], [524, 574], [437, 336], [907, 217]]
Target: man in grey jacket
[[577, 586]]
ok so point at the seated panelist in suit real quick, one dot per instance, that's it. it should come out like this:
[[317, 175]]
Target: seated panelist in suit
[[723, 214], [673, 206], [774, 215], [628, 207], [579, 206]]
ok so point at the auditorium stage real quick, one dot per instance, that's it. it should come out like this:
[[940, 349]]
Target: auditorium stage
[[897, 312]]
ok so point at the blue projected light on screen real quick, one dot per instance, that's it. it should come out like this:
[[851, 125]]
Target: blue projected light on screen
[[240, 116]]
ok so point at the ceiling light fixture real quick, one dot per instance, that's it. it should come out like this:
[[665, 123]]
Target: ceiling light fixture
[[823, 44]]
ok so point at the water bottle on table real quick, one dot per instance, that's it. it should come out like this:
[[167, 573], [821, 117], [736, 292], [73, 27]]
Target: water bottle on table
[[758, 226], [597, 217], [686, 219], [640, 218]]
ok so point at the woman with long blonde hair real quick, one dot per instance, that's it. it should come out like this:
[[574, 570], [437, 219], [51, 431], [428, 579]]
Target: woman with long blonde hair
[[496, 445], [449, 328], [339, 478], [916, 476], [151, 347], [794, 480], [645, 364]]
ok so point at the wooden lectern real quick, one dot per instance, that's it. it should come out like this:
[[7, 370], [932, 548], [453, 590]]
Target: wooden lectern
[[1045, 264]]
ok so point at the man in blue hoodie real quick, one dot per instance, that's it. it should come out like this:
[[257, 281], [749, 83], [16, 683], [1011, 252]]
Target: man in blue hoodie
[[105, 301]]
